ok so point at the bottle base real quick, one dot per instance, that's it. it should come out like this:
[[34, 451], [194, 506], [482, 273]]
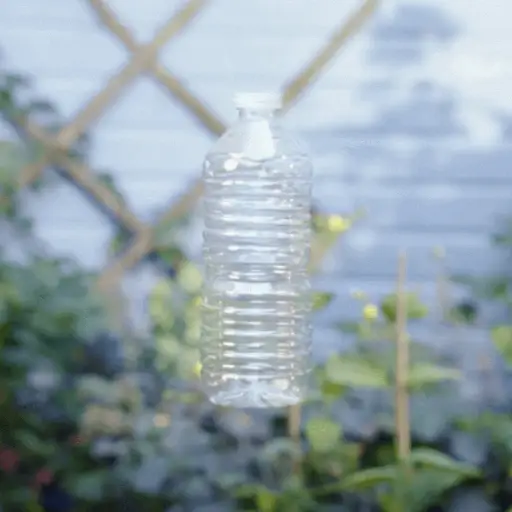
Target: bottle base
[[260, 393]]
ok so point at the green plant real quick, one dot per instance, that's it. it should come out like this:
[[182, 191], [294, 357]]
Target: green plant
[[48, 323], [328, 467], [74, 426], [412, 480], [495, 423], [497, 288], [121, 433], [372, 365]]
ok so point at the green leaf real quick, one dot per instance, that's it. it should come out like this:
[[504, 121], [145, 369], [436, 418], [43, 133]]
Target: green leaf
[[12, 159], [426, 486], [497, 288], [494, 288], [497, 426], [415, 308], [331, 391], [434, 459], [279, 447], [119, 241], [190, 278], [424, 374], [500, 428], [464, 313], [379, 331], [502, 339], [369, 330], [88, 486], [296, 500], [172, 256], [18, 497], [161, 305], [13, 81], [321, 300], [348, 327], [504, 236], [246, 490], [229, 482], [33, 444], [109, 183], [188, 359], [266, 500], [355, 372], [166, 233], [93, 387], [323, 434], [369, 478], [388, 502], [168, 348]]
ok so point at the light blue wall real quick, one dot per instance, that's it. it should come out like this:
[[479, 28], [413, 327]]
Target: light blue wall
[[412, 121]]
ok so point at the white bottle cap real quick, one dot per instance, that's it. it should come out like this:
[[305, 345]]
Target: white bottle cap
[[257, 100]]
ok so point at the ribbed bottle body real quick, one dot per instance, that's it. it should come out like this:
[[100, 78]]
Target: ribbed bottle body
[[256, 301]]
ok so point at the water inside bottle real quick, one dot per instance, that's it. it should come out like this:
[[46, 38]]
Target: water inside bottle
[[256, 301]]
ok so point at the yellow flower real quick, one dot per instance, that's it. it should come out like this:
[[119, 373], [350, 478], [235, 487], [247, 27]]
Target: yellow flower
[[99, 419], [370, 312], [161, 420], [338, 224], [197, 369], [190, 278], [439, 252]]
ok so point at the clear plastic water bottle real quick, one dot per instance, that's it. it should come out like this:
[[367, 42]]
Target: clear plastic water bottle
[[256, 333]]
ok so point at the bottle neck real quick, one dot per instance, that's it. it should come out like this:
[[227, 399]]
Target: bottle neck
[[249, 114]]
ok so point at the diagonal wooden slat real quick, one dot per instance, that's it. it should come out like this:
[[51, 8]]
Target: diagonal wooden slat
[[143, 245], [83, 177], [142, 57], [298, 85], [170, 82]]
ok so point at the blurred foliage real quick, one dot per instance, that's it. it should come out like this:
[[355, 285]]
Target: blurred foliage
[[491, 288], [327, 468], [83, 427], [497, 290], [74, 428]]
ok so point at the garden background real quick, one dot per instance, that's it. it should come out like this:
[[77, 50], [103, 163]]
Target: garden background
[[403, 106]]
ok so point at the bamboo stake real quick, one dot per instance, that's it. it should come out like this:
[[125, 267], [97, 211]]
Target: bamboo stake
[[402, 420], [319, 250], [294, 422], [294, 419]]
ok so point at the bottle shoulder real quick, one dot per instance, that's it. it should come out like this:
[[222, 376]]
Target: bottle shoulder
[[260, 140]]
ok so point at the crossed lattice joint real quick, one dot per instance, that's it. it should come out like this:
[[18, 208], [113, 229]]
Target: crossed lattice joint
[[144, 60]]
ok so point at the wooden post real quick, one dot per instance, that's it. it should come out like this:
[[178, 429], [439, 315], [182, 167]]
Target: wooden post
[[403, 431]]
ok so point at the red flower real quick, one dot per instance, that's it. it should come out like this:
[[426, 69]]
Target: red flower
[[43, 477], [76, 440], [9, 460]]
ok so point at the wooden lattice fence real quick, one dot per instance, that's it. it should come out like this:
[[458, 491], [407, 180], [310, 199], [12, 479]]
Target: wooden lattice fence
[[144, 59]]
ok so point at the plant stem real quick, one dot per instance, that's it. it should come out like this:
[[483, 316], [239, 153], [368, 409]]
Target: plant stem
[[294, 416]]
